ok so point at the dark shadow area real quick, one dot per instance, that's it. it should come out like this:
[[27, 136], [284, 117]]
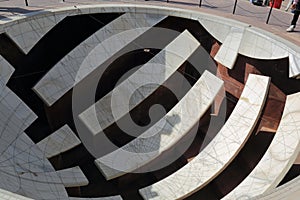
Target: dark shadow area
[[277, 69], [292, 173]]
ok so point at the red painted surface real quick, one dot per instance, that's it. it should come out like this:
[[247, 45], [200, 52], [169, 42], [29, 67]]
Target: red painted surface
[[277, 3]]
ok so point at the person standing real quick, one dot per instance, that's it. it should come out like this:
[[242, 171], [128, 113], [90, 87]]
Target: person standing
[[296, 6]]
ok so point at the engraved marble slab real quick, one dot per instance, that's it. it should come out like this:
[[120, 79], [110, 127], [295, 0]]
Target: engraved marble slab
[[165, 133], [60, 141], [294, 65], [27, 172], [214, 158], [7, 195], [278, 158], [15, 117], [6, 70], [100, 115], [261, 46], [27, 33], [91, 53], [289, 190], [229, 50], [72, 177]]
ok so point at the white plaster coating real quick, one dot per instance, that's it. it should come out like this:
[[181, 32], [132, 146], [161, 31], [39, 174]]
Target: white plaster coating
[[278, 158], [72, 177], [27, 33], [100, 115], [60, 141], [118, 197], [228, 52], [6, 70], [214, 158], [68, 72], [149, 145]]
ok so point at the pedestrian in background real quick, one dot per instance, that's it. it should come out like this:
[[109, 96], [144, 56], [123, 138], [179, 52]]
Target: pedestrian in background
[[289, 5], [296, 6]]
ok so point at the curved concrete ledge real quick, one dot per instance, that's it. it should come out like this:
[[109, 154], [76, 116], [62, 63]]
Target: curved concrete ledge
[[270, 46], [290, 190], [278, 158]]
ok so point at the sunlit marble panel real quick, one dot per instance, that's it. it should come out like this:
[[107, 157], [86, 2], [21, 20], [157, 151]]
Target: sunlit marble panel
[[289, 190], [278, 158], [165, 133], [15, 117], [228, 52], [219, 29], [60, 141], [91, 53], [6, 195], [294, 65], [72, 177], [27, 172], [26, 33], [261, 46], [118, 197], [214, 158], [101, 115], [6, 70]]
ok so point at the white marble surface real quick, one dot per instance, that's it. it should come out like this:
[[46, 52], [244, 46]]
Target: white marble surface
[[24, 170], [278, 158], [118, 197], [15, 117], [6, 195], [214, 158], [27, 33], [72, 177], [165, 133], [101, 115], [91, 53], [60, 141], [288, 191], [293, 52], [22, 164], [294, 63], [6, 70], [261, 46], [229, 50], [220, 29]]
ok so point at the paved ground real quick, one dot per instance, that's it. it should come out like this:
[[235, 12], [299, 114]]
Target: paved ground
[[245, 11]]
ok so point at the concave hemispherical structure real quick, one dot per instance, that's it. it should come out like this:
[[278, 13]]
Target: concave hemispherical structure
[[127, 101]]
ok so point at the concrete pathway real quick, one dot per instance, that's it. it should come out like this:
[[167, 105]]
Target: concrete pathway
[[245, 11]]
